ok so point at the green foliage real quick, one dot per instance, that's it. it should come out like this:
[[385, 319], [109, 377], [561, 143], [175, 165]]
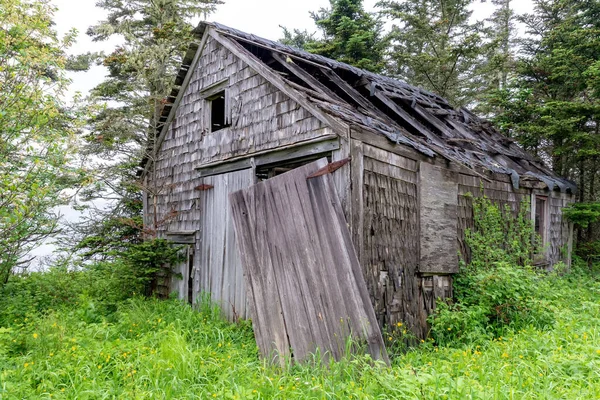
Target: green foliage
[[497, 291], [582, 214], [436, 46], [500, 235], [99, 285], [37, 129], [143, 261], [349, 34], [164, 349]]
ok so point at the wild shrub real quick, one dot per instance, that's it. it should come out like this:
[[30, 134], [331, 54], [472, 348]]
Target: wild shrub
[[40, 292], [94, 289], [497, 290]]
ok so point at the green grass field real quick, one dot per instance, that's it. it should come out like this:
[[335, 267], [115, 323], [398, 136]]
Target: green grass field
[[151, 349]]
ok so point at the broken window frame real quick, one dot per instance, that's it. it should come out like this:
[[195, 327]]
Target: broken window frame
[[212, 93], [223, 121], [268, 171]]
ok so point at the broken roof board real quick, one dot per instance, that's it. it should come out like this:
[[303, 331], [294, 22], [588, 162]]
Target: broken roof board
[[299, 262]]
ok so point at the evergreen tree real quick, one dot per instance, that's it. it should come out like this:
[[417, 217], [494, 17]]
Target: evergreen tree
[[156, 34], [434, 45], [500, 59], [553, 107], [349, 34]]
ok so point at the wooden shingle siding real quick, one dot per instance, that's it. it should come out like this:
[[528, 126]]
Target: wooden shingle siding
[[262, 116], [391, 238], [561, 231]]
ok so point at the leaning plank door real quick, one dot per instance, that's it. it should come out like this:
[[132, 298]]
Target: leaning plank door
[[304, 282]]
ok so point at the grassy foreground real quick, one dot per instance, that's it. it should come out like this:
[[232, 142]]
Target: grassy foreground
[[150, 349]]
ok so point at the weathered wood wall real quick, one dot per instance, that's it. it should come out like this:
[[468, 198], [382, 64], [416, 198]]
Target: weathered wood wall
[[218, 269], [438, 203], [390, 236], [262, 118], [561, 230], [414, 215]]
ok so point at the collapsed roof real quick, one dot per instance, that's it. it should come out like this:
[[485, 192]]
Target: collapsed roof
[[403, 113]]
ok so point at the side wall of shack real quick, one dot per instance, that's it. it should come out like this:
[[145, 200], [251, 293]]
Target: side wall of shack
[[409, 216], [389, 186], [262, 118]]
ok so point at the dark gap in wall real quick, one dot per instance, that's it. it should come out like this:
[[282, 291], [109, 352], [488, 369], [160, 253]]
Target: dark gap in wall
[[190, 293], [269, 171]]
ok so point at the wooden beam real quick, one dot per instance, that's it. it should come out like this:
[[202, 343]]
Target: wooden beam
[[314, 83], [296, 150], [357, 198], [407, 118], [181, 237], [351, 91], [257, 65]]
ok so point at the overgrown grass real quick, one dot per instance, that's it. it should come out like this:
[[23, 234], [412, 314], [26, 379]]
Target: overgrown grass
[[149, 349]]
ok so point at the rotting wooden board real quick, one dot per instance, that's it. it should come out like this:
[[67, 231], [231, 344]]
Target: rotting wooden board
[[304, 281]]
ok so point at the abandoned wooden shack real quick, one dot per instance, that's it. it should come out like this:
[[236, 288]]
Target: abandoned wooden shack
[[246, 109]]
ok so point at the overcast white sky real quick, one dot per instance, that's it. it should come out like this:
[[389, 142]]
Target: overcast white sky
[[260, 17]]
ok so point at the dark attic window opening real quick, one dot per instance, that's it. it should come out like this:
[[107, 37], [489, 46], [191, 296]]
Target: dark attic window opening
[[269, 171], [218, 118]]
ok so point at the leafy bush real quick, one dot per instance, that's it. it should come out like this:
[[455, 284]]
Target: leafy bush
[[96, 288], [39, 292], [497, 290]]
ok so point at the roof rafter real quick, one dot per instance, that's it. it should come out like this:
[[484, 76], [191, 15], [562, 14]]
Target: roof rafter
[[277, 81]]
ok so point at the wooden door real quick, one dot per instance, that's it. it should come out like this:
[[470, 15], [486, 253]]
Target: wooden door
[[305, 285], [218, 267]]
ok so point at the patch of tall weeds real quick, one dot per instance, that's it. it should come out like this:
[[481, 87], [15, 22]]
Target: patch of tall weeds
[[498, 290]]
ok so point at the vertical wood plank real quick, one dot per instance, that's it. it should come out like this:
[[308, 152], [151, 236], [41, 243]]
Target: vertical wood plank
[[299, 262]]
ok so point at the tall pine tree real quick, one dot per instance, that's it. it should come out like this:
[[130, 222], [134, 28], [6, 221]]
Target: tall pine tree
[[498, 68], [348, 34], [436, 46], [553, 107], [155, 35]]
